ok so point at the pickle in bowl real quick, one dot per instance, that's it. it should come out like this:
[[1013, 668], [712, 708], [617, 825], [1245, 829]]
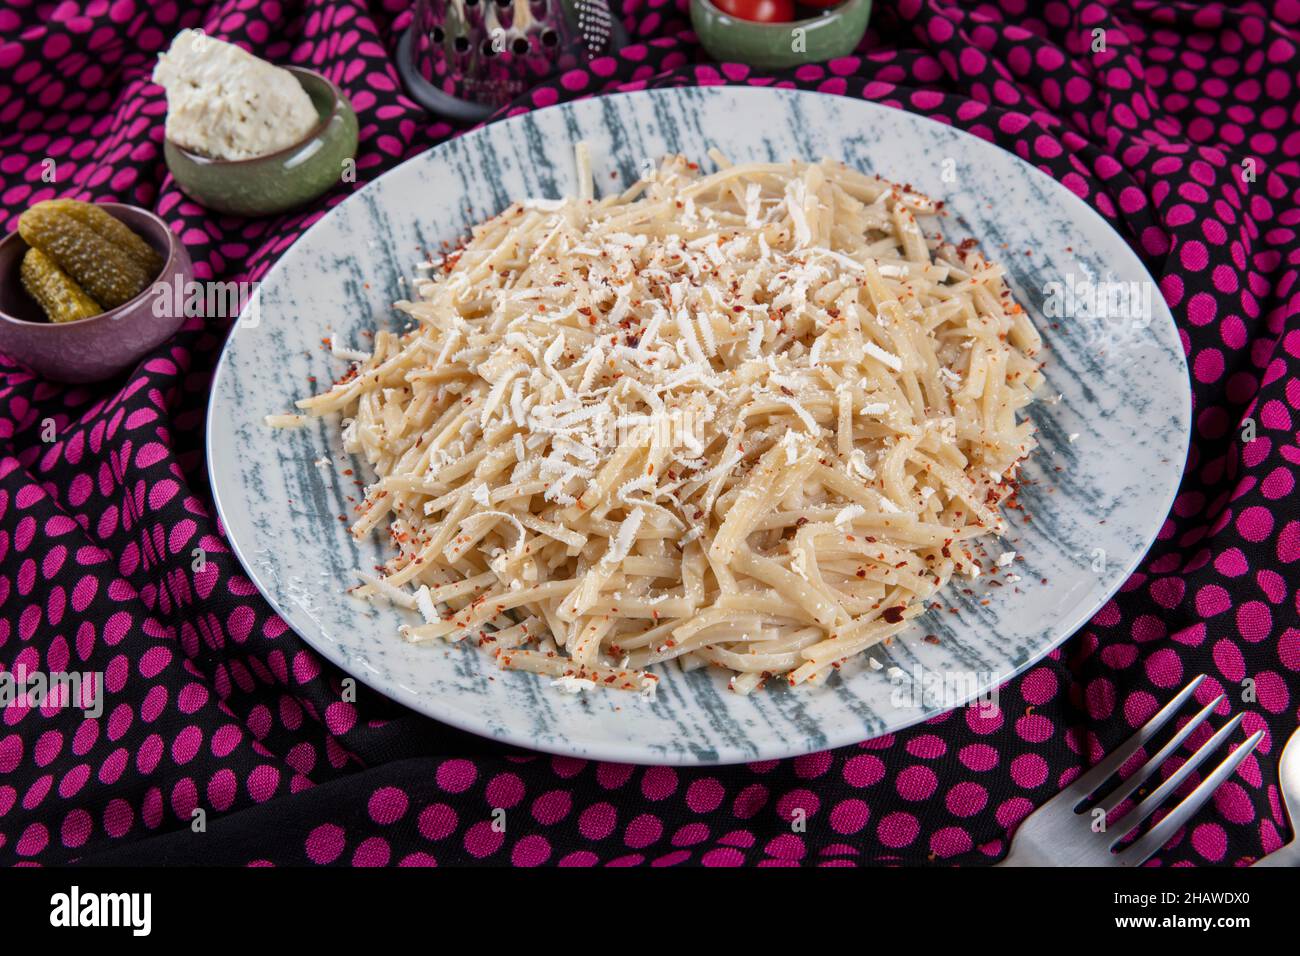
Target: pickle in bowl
[[54, 290], [95, 254]]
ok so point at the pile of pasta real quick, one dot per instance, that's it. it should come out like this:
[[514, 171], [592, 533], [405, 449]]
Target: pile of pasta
[[750, 419]]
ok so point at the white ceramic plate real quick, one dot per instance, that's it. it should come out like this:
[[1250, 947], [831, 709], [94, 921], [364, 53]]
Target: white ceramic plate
[[1118, 435]]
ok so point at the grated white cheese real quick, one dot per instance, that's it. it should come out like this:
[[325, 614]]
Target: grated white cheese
[[352, 355], [424, 603], [858, 462], [880, 355], [383, 589], [570, 684], [847, 514], [622, 542]]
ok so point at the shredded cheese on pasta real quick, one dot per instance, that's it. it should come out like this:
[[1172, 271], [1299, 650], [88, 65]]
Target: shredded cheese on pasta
[[751, 419]]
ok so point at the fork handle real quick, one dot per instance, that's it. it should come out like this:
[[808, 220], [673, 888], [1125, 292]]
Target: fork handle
[[1288, 855]]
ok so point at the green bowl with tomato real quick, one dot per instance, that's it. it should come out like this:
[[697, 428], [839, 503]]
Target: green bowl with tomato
[[779, 34]]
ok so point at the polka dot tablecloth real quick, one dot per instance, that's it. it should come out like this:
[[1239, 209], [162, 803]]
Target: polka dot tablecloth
[[1182, 132]]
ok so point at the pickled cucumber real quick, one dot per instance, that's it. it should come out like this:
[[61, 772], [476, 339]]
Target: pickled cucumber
[[108, 273], [116, 231], [54, 290]]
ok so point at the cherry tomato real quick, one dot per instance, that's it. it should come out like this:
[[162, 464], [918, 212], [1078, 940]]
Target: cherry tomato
[[761, 11], [821, 4]]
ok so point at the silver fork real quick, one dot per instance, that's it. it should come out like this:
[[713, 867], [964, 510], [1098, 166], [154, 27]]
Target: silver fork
[[1288, 772], [1058, 834]]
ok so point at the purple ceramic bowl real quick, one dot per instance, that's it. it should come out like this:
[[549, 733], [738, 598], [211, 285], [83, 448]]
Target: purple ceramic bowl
[[99, 347]]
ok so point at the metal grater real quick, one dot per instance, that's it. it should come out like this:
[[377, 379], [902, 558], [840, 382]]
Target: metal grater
[[466, 58]]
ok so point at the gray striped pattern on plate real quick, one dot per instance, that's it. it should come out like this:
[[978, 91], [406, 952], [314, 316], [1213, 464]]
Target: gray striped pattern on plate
[[1123, 383]]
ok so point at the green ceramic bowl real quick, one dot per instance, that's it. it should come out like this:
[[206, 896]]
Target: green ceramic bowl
[[281, 180], [780, 46]]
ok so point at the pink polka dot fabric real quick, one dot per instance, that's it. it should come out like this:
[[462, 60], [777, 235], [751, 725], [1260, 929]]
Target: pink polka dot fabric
[[1182, 128]]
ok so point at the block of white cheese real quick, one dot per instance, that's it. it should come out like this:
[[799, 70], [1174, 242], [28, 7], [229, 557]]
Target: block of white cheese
[[225, 103]]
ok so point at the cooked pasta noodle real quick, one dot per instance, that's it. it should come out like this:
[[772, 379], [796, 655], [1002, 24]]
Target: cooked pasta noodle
[[751, 419]]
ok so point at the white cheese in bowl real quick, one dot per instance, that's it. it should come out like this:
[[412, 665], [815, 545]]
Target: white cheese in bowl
[[225, 103]]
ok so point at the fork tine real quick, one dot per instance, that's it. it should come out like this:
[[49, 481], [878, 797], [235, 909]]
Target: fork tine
[[1161, 793], [1084, 786], [1125, 789], [1160, 834]]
